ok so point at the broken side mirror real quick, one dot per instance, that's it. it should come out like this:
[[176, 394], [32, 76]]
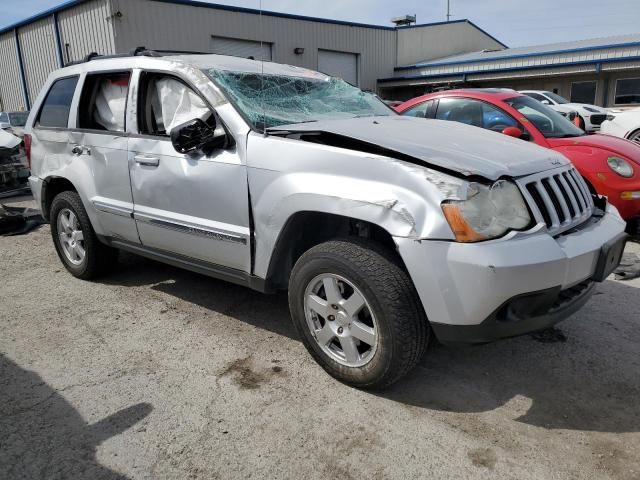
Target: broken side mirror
[[198, 134]]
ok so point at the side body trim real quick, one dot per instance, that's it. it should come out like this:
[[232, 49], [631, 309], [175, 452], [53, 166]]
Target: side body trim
[[198, 231], [106, 208]]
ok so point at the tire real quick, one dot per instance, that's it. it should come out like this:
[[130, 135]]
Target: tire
[[391, 311], [67, 208], [634, 137]]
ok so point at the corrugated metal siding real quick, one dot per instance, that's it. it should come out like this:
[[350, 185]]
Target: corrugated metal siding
[[39, 55], [419, 44], [179, 27], [10, 85], [87, 28]]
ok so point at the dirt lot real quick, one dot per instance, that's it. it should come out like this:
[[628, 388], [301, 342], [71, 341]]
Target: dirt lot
[[154, 372]]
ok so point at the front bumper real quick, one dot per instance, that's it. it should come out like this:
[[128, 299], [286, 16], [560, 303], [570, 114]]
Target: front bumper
[[485, 291]]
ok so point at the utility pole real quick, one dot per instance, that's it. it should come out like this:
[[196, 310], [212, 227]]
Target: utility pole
[[448, 10]]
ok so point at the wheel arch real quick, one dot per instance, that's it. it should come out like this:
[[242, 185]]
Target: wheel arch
[[52, 186], [306, 229]]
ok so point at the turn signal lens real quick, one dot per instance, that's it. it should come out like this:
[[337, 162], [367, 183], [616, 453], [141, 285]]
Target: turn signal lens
[[630, 195], [461, 229]]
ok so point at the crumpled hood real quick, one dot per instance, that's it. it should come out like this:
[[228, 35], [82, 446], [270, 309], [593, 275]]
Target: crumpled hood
[[7, 140], [615, 145], [453, 146]]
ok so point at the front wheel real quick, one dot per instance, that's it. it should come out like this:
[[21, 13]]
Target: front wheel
[[358, 313]]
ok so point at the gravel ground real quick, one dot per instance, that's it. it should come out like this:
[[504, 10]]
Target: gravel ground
[[153, 372]]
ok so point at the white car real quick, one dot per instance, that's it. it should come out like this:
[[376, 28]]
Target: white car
[[624, 125], [591, 116]]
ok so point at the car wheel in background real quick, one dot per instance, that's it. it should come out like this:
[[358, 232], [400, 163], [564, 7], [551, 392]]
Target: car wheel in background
[[77, 245], [358, 313], [635, 137]]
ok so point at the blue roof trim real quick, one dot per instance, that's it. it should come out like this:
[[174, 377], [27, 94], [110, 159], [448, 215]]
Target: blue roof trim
[[40, 16], [434, 24], [523, 55], [196, 3], [230, 8], [509, 69]]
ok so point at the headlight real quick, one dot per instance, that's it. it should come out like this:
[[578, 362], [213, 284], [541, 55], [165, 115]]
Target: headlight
[[620, 166], [489, 212]]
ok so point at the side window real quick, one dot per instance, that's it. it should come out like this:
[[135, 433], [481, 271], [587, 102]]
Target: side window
[[421, 111], [103, 102], [166, 102], [461, 110], [4, 117], [57, 104], [537, 96], [495, 119]]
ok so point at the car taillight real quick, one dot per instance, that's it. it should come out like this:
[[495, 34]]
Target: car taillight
[[27, 147]]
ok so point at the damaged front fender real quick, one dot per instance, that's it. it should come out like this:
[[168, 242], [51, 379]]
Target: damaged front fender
[[289, 176]]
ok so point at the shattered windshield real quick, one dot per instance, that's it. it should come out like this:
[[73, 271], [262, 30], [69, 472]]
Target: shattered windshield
[[272, 100]]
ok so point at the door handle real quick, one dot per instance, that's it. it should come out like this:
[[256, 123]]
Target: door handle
[[147, 161], [80, 149]]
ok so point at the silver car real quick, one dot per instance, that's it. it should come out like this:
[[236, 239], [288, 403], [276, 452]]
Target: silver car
[[385, 231]]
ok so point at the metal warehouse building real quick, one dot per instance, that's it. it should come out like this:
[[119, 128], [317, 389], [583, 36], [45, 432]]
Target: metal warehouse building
[[359, 53], [604, 71], [398, 62]]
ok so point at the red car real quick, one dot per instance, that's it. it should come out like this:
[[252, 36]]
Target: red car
[[610, 165]]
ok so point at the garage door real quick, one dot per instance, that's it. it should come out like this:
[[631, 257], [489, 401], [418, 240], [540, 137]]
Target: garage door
[[241, 48], [339, 64]]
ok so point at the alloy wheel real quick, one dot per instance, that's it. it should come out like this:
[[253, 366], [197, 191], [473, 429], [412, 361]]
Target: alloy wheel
[[341, 320], [71, 236]]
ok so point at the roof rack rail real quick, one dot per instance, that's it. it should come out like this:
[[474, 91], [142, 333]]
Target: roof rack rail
[[136, 52]]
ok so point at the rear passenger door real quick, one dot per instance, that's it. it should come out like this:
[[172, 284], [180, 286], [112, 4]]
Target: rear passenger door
[[100, 139], [193, 205]]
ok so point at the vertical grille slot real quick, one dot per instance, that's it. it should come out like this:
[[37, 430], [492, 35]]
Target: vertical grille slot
[[557, 206], [562, 199], [533, 191], [572, 205]]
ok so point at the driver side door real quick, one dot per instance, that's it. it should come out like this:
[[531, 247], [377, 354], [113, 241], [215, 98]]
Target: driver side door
[[192, 206]]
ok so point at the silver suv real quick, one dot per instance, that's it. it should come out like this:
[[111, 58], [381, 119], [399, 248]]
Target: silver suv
[[385, 230]]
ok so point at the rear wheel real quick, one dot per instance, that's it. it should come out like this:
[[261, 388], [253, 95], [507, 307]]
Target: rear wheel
[[358, 313], [635, 137], [77, 245]]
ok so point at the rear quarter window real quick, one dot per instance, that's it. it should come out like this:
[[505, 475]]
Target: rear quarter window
[[57, 104]]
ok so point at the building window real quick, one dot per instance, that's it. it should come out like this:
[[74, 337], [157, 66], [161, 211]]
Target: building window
[[627, 91], [56, 107], [584, 92]]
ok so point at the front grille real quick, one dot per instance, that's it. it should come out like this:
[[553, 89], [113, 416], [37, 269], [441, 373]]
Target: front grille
[[598, 119], [560, 198]]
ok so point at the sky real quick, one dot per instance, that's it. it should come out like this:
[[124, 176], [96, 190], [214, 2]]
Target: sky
[[514, 22]]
